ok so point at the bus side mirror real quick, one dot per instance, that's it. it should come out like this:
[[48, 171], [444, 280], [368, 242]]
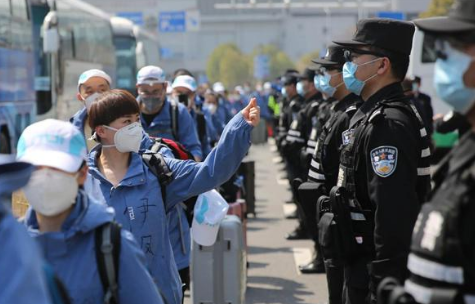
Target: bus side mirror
[[51, 41], [50, 33]]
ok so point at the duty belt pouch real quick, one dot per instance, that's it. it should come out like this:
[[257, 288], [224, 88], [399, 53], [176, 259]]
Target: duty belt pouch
[[344, 237], [309, 194], [328, 236], [363, 229]]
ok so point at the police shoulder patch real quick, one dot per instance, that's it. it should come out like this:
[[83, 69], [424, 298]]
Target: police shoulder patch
[[384, 160], [346, 136]]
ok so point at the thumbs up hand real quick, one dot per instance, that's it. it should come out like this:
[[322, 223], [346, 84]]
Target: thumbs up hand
[[252, 113]]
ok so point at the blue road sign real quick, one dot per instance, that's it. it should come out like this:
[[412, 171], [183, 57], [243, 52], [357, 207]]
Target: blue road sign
[[391, 15], [261, 67], [172, 22], [135, 17]]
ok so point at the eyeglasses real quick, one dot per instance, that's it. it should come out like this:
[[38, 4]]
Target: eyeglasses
[[350, 54]]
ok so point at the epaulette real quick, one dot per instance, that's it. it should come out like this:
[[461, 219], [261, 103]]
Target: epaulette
[[376, 116], [351, 109]]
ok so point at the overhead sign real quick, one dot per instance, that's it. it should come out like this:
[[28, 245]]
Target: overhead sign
[[172, 22], [261, 66], [391, 15], [135, 17]]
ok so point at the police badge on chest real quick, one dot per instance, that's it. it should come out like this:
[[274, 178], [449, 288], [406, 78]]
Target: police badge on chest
[[384, 160]]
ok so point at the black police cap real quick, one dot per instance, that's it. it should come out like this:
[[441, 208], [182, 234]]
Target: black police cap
[[461, 18], [391, 35], [335, 57], [290, 77], [308, 74]]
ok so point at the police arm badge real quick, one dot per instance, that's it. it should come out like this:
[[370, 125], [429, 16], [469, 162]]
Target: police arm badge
[[384, 160]]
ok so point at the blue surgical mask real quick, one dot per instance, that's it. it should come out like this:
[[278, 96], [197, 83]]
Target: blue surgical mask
[[448, 80], [325, 85], [284, 92], [352, 83], [300, 89], [316, 82]]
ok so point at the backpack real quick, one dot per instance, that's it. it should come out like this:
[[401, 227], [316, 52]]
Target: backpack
[[107, 243], [200, 118], [156, 163]]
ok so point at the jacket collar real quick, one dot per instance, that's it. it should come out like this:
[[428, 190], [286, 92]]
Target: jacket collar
[[135, 173]]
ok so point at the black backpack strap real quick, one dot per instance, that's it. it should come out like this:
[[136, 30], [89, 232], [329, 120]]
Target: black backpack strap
[[200, 118], [107, 241], [174, 119], [156, 163]]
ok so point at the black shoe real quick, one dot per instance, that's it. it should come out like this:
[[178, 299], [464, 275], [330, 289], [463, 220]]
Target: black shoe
[[312, 267], [297, 234]]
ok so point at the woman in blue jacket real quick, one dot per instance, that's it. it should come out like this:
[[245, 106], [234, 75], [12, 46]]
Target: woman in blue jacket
[[64, 220], [129, 186]]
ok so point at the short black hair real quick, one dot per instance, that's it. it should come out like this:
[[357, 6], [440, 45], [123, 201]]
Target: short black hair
[[111, 105], [399, 62]]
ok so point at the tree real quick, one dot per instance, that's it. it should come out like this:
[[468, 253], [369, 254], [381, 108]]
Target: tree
[[306, 60], [278, 60], [437, 8], [228, 65]]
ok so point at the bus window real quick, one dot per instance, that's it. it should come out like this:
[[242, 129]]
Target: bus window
[[429, 55], [4, 23], [21, 34], [126, 62]]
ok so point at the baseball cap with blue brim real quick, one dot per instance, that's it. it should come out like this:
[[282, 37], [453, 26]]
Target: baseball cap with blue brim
[[210, 210], [150, 75], [93, 73], [53, 143], [185, 81]]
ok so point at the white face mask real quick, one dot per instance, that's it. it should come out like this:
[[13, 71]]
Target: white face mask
[[90, 99], [51, 192], [211, 108], [127, 139]]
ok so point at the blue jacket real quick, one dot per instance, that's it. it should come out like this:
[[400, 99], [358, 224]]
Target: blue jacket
[[138, 200], [71, 253], [180, 236], [79, 119], [22, 279], [205, 140], [161, 126]]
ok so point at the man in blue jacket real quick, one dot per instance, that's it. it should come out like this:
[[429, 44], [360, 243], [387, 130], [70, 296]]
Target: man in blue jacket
[[162, 117], [20, 260], [64, 220]]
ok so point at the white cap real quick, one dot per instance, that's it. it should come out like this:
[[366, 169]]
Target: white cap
[[185, 81], [150, 75], [218, 87], [93, 73], [267, 86], [210, 210], [53, 143]]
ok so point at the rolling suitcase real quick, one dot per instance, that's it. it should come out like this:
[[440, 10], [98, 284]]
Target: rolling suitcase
[[239, 209], [247, 169], [218, 272]]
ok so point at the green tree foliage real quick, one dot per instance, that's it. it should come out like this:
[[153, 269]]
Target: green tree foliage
[[306, 60], [279, 61], [437, 8], [229, 65]]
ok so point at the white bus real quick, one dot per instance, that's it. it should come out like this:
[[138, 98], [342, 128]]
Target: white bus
[[77, 37], [125, 51]]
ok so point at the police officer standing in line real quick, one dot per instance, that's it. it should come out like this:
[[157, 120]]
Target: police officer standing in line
[[442, 256], [292, 104], [323, 171], [384, 173]]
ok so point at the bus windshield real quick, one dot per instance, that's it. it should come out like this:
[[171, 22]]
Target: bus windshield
[[126, 62]]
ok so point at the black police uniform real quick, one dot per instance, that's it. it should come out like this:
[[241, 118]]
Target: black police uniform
[[385, 169], [442, 259], [324, 171]]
